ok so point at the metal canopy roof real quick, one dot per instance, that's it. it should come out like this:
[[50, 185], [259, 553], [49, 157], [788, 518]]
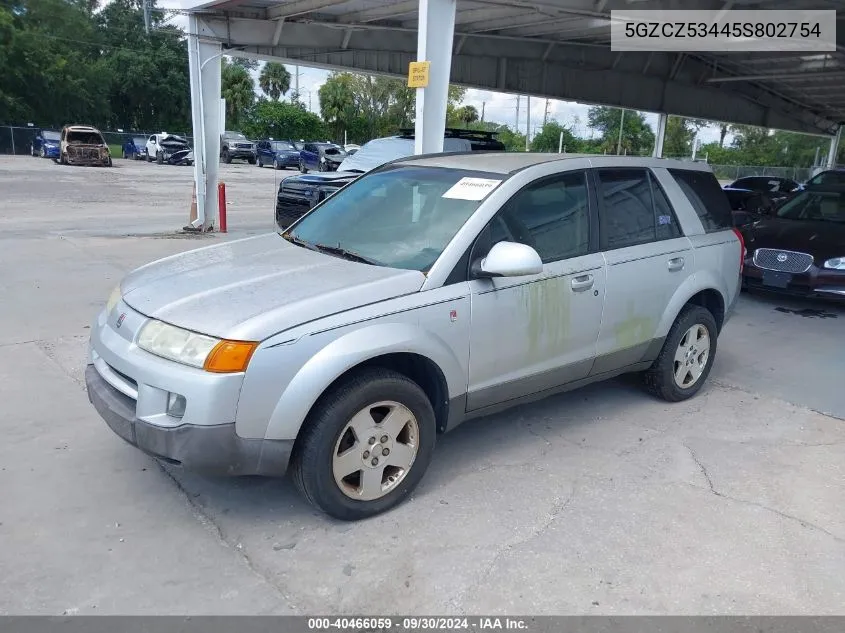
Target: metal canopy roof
[[551, 48]]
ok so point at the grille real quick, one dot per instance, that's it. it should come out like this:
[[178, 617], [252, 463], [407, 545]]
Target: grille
[[243, 145], [783, 261]]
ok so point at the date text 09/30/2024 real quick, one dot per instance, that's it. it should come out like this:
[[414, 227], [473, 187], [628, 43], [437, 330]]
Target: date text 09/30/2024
[[373, 624]]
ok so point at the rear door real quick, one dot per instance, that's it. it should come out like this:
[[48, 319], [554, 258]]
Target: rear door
[[647, 257]]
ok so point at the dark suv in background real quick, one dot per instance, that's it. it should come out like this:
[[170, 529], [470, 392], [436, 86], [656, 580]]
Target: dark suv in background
[[298, 194], [235, 145]]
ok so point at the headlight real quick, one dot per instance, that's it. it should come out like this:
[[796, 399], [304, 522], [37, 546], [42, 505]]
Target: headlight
[[114, 297], [196, 350], [837, 263]]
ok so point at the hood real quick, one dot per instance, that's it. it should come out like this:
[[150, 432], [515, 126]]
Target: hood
[[310, 182], [383, 150], [823, 240], [252, 288]]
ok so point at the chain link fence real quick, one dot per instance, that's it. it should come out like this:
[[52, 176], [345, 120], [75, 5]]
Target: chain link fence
[[17, 140]]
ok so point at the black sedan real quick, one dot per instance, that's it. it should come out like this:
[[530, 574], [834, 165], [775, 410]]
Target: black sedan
[[799, 247]]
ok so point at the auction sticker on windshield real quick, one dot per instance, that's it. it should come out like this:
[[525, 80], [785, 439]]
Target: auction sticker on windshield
[[471, 188]]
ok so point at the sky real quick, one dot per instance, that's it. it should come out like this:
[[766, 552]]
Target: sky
[[498, 107]]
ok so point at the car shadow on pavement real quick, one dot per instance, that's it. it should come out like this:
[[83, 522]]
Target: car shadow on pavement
[[514, 438]]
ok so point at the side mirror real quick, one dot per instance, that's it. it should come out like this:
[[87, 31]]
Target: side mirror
[[509, 259]]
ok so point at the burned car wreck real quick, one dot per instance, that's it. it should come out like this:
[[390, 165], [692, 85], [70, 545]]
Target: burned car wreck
[[83, 145]]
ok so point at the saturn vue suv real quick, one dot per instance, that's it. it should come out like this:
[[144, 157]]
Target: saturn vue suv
[[430, 290]]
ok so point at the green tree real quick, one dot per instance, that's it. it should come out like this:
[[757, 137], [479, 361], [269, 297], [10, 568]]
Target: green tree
[[238, 89], [680, 135], [548, 139], [466, 114], [637, 137], [148, 87], [274, 80], [337, 102], [282, 120]]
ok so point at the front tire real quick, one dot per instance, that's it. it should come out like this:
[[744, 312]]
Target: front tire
[[226, 157], [687, 356], [302, 167], [366, 445], [250, 160]]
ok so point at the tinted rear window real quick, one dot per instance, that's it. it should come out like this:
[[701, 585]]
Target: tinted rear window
[[706, 197]]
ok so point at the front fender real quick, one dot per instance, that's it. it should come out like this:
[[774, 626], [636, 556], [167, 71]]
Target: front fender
[[692, 285], [345, 352]]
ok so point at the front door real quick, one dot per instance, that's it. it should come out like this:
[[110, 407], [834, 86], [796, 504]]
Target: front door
[[533, 333], [647, 258]]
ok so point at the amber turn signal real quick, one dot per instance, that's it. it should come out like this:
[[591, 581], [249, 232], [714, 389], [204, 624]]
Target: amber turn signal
[[229, 357]]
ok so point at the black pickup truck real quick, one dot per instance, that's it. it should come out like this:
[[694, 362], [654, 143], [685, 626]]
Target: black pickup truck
[[298, 194]]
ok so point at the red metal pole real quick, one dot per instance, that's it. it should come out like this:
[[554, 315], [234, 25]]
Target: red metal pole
[[221, 206]]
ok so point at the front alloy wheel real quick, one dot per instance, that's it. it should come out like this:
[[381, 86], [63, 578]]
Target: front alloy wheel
[[375, 451], [366, 445]]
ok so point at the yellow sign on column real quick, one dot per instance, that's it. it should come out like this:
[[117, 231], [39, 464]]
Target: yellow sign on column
[[418, 74]]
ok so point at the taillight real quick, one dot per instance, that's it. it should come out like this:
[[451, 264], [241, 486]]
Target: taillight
[[741, 249]]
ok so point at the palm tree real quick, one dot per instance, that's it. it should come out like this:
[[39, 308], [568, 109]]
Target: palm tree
[[467, 114], [274, 80], [238, 89], [337, 101]]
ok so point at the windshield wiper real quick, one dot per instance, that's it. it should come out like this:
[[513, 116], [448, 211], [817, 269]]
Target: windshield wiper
[[300, 242], [350, 255]]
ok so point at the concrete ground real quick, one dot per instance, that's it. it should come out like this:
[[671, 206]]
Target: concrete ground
[[601, 501]]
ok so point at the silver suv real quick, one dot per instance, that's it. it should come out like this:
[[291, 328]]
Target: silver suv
[[429, 291]]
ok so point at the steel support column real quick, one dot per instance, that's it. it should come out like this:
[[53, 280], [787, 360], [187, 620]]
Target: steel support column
[[204, 68], [436, 32], [834, 148], [661, 134]]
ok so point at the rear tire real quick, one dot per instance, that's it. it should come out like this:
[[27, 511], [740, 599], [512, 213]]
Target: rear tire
[[381, 404], [686, 358], [302, 167]]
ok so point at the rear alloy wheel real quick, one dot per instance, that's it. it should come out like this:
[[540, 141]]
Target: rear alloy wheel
[[686, 358], [366, 445]]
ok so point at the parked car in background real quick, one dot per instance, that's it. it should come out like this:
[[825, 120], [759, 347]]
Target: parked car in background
[[429, 291], [778, 187], [800, 248], [279, 154], [46, 144], [83, 145], [320, 157], [135, 148], [169, 149], [748, 206], [828, 177], [351, 149], [234, 145], [298, 194]]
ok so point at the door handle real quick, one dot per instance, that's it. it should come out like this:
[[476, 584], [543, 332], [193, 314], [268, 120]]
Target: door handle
[[584, 282], [676, 263]]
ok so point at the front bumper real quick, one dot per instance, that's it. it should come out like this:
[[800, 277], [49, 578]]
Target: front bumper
[[51, 152], [287, 160], [816, 283], [234, 152], [213, 449]]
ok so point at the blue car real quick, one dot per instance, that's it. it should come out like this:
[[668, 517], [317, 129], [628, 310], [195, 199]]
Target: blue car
[[46, 144], [320, 157], [279, 154], [135, 148]]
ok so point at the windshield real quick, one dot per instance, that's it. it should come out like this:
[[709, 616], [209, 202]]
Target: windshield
[[828, 178], [50, 135], [401, 217], [236, 135], [282, 145], [140, 141], [826, 206]]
